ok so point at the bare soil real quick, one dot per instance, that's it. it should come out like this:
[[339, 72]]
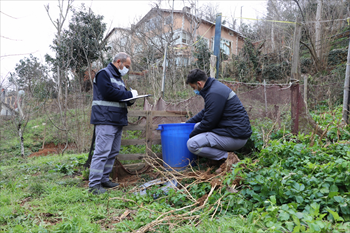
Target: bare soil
[[51, 149]]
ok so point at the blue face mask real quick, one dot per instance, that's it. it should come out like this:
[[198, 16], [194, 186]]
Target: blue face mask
[[196, 91]]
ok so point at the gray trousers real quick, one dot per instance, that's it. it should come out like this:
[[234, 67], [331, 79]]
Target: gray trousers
[[213, 146], [107, 146]]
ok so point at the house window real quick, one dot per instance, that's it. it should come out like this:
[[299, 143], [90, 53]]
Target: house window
[[225, 45], [182, 38], [181, 61], [178, 36], [123, 41], [168, 20]]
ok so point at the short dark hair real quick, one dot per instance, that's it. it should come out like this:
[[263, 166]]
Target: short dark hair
[[196, 75]]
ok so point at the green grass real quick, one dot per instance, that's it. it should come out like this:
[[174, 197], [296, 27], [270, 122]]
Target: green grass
[[39, 191], [290, 184]]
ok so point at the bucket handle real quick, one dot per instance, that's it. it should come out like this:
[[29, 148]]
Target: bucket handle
[[160, 128]]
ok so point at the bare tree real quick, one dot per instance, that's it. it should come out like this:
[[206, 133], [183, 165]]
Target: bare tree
[[209, 11], [58, 24], [25, 106], [61, 65]]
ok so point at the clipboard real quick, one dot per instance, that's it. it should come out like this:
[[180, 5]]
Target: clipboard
[[137, 97]]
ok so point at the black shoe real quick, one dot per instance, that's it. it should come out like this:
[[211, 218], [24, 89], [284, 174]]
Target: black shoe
[[97, 189], [215, 163], [109, 184]]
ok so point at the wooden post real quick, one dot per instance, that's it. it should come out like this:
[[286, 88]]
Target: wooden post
[[265, 98], [149, 132], [295, 76], [212, 66], [346, 99], [305, 91], [295, 106]]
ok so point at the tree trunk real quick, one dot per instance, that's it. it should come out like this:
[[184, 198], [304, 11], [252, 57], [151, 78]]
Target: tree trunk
[[272, 38], [20, 134], [318, 29], [295, 75], [346, 99]]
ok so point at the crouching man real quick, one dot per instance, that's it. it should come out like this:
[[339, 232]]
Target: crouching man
[[222, 126]]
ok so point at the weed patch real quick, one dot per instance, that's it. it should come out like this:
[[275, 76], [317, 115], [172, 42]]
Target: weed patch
[[284, 183]]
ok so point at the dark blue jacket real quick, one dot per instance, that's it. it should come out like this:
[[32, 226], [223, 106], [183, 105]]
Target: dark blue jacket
[[109, 90], [223, 112]]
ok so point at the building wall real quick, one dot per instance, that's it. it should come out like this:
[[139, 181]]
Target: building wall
[[181, 23], [10, 101], [208, 30], [5, 111]]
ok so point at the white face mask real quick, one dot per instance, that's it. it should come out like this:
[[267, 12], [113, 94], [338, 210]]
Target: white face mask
[[123, 71]]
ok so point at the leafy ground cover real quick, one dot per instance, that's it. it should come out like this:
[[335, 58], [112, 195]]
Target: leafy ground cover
[[284, 183]]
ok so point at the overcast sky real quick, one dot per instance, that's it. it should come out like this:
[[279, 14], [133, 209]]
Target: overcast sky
[[26, 28]]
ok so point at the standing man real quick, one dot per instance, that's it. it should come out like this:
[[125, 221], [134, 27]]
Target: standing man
[[222, 126], [109, 115]]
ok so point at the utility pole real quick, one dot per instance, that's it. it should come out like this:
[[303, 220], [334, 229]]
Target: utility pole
[[346, 99], [217, 39]]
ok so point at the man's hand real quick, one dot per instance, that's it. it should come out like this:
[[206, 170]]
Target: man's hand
[[134, 93]]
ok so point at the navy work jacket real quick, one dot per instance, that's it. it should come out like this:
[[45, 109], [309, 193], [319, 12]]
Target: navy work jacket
[[223, 112], [109, 90]]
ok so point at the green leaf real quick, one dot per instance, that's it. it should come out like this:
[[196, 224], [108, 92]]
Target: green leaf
[[314, 227], [333, 188], [256, 197], [299, 215], [296, 220], [335, 215], [296, 229], [308, 218], [339, 199], [320, 224], [289, 226], [329, 179], [284, 216], [315, 206], [324, 190], [299, 199], [344, 208], [273, 199], [332, 194]]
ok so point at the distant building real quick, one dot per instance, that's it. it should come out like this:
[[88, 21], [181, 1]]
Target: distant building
[[181, 27], [8, 103]]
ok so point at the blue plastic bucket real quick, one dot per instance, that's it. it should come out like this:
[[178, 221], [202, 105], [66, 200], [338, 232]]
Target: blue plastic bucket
[[174, 145]]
